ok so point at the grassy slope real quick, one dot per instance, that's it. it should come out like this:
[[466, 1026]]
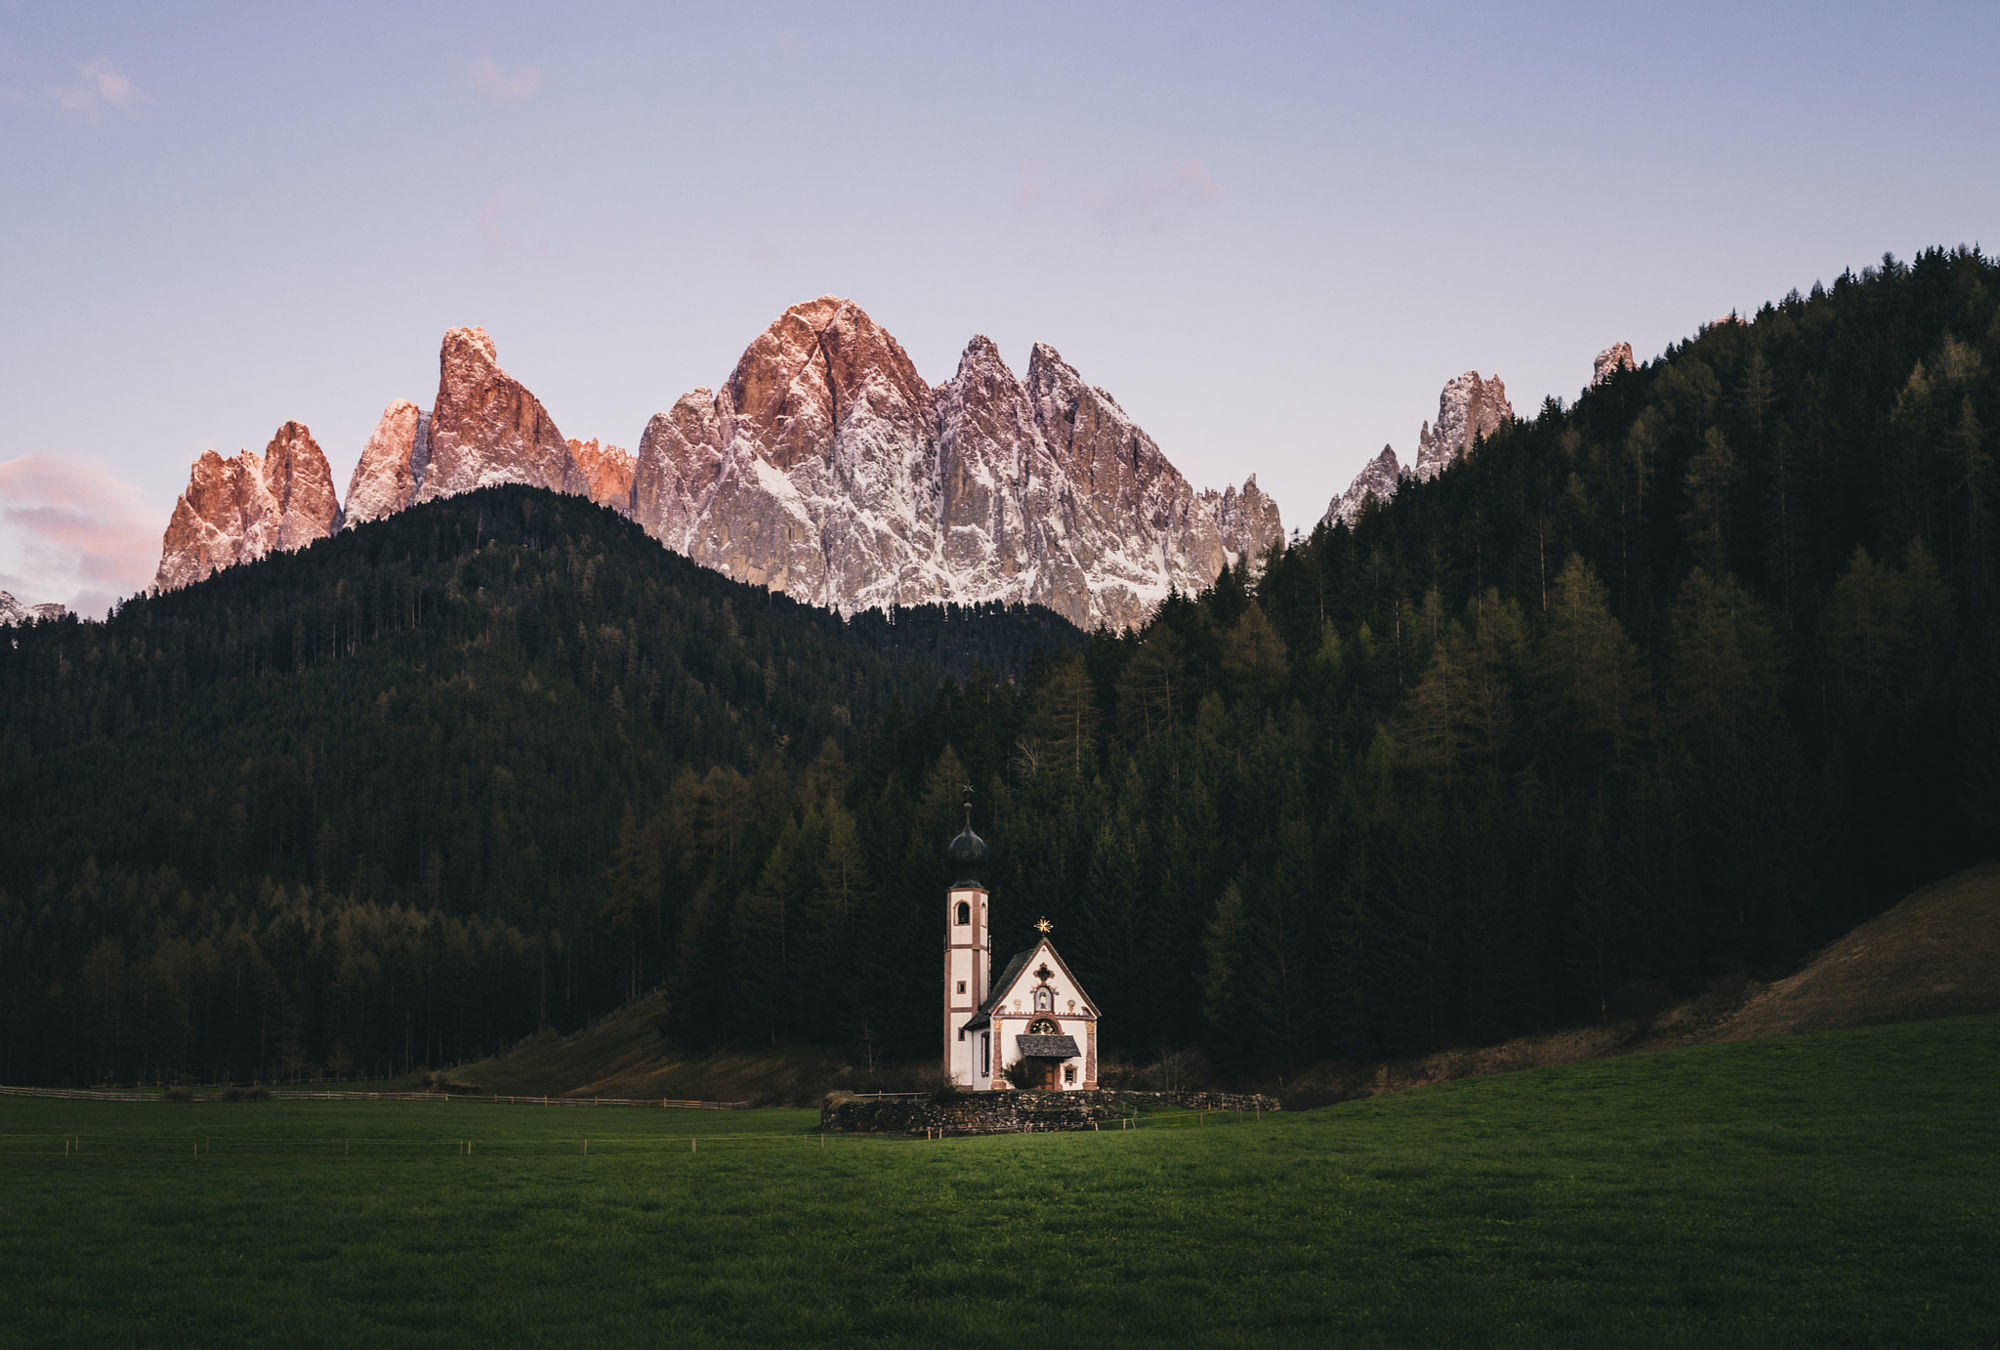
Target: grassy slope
[[1935, 954], [1826, 1188]]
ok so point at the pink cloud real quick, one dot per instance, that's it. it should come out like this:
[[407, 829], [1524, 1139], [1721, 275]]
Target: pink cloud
[[1149, 201], [73, 533], [499, 85], [506, 222], [104, 87]]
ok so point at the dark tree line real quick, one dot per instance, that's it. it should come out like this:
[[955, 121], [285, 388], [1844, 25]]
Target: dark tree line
[[1673, 683], [361, 807]]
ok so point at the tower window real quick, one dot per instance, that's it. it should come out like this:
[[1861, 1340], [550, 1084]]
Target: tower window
[[961, 986], [964, 912]]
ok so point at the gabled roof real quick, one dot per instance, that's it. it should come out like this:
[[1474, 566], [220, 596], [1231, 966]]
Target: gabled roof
[[1012, 973]]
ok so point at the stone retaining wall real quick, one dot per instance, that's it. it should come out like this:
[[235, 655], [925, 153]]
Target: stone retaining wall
[[1213, 1101], [1012, 1112]]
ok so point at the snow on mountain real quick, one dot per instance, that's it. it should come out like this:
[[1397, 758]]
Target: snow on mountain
[[824, 467], [13, 611]]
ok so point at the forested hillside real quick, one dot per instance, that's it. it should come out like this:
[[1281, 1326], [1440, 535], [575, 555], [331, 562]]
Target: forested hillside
[[1676, 682], [359, 806], [1683, 679]]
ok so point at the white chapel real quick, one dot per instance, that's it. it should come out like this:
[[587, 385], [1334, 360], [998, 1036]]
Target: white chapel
[[1035, 1012]]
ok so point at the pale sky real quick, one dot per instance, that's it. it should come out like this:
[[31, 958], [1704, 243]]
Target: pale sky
[[1271, 232]]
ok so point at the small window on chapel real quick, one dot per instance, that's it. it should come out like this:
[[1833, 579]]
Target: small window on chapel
[[1069, 1075], [964, 912], [961, 986]]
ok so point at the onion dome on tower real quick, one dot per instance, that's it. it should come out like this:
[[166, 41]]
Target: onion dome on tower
[[967, 853]]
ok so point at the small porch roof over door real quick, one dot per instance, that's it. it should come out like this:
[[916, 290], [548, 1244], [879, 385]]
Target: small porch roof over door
[[1048, 1047]]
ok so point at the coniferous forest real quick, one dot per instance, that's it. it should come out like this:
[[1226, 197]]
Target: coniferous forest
[[1668, 685]]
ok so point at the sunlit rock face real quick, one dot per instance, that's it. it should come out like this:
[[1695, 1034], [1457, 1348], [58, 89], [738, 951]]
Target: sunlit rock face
[[234, 510], [602, 473], [392, 464], [825, 467], [486, 428], [1610, 361]]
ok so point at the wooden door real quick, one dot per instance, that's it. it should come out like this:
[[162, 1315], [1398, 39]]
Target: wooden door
[[1048, 1075]]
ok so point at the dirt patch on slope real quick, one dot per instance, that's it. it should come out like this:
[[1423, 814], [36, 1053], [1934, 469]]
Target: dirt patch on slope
[[1936, 954]]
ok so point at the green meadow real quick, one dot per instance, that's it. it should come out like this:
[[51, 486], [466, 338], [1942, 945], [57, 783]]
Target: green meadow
[[1841, 1188]]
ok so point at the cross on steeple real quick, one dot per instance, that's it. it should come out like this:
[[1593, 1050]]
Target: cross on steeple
[[1043, 926]]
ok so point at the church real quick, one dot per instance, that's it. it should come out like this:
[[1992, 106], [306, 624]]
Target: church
[[1035, 1013]]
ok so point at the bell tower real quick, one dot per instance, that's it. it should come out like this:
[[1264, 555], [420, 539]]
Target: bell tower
[[968, 957]]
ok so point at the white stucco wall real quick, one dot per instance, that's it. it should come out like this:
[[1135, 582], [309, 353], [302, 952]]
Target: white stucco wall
[[1071, 1012], [968, 957]]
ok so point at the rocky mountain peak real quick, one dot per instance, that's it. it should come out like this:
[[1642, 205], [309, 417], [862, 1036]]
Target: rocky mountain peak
[[602, 473], [470, 351], [1616, 357], [1378, 480], [1247, 520], [391, 468], [234, 510], [824, 467], [13, 611], [1468, 408], [486, 427], [820, 365]]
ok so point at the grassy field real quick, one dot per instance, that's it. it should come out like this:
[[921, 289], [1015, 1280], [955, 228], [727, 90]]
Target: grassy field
[[1841, 1188]]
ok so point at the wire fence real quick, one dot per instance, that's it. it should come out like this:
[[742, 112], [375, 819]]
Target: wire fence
[[197, 1147], [353, 1095], [123, 1143]]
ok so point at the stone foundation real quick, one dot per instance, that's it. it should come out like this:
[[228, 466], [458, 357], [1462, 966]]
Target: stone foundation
[[1013, 1112]]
